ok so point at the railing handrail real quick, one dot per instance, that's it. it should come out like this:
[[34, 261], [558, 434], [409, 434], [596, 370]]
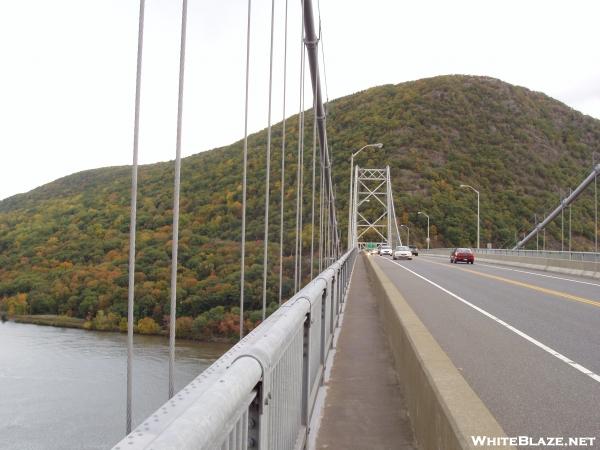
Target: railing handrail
[[229, 401]]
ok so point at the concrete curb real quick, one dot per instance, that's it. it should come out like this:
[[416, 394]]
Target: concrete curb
[[445, 412]]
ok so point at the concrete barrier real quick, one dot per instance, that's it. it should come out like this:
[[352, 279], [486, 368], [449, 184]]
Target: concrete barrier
[[445, 412], [565, 266]]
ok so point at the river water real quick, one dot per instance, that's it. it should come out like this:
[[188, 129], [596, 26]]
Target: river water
[[66, 389]]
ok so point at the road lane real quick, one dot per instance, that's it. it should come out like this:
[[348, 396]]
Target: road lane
[[528, 390], [567, 325], [544, 274], [586, 287]]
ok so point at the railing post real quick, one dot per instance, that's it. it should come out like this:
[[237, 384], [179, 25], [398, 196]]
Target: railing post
[[332, 318], [345, 278], [263, 398], [324, 336], [342, 278], [306, 372], [338, 298], [254, 424]]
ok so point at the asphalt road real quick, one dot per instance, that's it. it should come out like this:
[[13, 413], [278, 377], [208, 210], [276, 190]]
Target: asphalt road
[[527, 342]]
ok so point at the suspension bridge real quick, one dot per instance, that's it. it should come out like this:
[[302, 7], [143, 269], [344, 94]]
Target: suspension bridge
[[374, 353]]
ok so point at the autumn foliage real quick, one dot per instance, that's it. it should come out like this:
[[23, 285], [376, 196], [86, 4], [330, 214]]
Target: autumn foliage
[[64, 245]]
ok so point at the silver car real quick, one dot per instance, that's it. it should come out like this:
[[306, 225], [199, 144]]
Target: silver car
[[402, 252], [385, 250]]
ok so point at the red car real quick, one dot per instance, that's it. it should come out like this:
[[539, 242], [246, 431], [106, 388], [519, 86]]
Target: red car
[[462, 254]]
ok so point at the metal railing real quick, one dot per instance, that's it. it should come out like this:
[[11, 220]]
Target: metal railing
[[548, 254], [261, 393]]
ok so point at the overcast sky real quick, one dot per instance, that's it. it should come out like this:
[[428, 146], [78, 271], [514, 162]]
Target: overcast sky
[[68, 68]]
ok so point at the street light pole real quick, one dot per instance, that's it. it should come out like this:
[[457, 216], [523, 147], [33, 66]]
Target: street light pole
[[595, 204], [537, 236], [562, 225], [421, 212], [407, 233], [477, 192], [351, 196], [570, 233], [544, 239]]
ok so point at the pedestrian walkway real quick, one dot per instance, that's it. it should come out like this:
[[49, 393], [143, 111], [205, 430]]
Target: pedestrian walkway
[[364, 407]]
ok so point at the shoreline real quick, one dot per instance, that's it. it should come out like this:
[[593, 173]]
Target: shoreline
[[76, 323]]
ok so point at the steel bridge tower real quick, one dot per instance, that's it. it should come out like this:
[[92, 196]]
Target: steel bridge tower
[[373, 212]]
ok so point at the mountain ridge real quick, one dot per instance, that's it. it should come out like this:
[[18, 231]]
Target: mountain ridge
[[64, 244]]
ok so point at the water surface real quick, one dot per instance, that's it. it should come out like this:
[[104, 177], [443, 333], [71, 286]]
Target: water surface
[[66, 389]]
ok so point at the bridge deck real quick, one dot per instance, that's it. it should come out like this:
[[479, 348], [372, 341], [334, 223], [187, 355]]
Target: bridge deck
[[364, 407]]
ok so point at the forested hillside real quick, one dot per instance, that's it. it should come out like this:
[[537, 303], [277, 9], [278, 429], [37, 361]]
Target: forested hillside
[[63, 246]]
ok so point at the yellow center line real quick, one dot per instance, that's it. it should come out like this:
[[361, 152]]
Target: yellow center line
[[560, 294]]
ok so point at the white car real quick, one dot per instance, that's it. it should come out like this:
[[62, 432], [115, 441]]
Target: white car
[[385, 250], [402, 252]]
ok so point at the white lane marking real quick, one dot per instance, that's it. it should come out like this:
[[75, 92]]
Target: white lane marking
[[525, 336], [536, 274]]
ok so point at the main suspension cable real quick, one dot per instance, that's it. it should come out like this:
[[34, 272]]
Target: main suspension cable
[[323, 56]]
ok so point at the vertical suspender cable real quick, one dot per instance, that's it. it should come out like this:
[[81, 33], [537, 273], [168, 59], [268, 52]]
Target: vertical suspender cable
[[296, 231], [245, 165], [303, 115], [327, 228], [297, 210], [314, 157], [297, 220], [355, 208], [132, 224], [330, 212], [325, 223], [176, 186], [283, 154], [321, 187], [268, 169], [332, 229], [338, 247], [298, 243], [301, 222]]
